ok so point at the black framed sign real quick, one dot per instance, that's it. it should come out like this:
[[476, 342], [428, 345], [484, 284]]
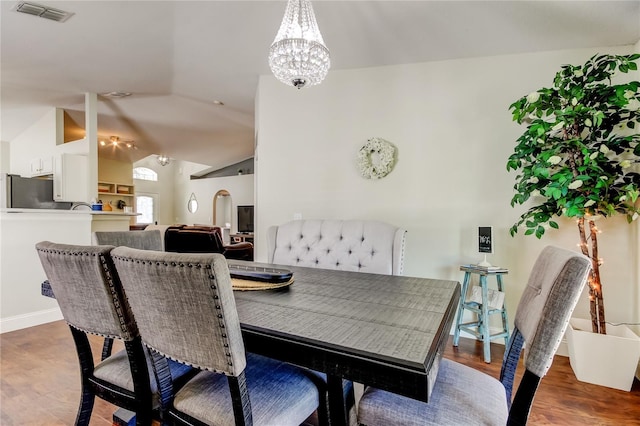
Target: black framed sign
[[485, 243]]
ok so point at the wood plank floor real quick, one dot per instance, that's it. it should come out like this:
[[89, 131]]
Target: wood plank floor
[[40, 384]]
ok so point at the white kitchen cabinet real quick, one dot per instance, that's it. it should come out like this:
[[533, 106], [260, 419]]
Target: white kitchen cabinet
[[41, 166], [70, 178]]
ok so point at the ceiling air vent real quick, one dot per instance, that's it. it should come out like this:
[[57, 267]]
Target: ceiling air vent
[[42, 11]]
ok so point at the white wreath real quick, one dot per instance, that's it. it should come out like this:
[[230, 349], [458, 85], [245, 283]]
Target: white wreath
[[376, 158]]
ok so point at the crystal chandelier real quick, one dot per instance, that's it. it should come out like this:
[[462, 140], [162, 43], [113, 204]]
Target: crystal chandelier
[[163, 160], [298, 56]]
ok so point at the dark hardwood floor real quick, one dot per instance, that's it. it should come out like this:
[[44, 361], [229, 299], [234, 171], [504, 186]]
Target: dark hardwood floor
[[40, 384]]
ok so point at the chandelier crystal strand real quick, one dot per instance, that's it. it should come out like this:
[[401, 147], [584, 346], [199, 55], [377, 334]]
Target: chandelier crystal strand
[[298, 56]]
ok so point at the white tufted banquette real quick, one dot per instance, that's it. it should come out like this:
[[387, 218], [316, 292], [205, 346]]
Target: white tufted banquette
[[348, 245]]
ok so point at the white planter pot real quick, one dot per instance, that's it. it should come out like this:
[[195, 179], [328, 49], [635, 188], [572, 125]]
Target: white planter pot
[[603, 359]]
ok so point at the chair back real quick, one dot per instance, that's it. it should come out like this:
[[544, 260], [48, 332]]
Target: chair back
[[86, 286], [552, 292], [184, 306], [546, 305], [348, 245], [143, 240]]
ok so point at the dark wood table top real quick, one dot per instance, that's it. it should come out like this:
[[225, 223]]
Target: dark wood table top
[[379, 330]]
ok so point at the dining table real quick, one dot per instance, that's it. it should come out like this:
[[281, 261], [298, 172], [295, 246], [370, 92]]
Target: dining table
[[385, 331]]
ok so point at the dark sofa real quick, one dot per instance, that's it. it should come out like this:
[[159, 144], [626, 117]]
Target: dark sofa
[[204, 239]]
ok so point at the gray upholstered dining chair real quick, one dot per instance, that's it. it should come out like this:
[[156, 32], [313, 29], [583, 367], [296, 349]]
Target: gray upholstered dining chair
[[464, 396], [185, 310], [143, 240], [87, 289]]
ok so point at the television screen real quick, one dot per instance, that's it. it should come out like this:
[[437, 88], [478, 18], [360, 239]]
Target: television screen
[[245, 219]]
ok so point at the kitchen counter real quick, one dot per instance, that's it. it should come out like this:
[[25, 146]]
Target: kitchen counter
[[20, 270], [21, 229], [113, 213], [98, 220], [60, 211]]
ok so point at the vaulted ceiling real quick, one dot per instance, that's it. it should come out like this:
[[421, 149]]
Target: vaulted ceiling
[[178, 57]]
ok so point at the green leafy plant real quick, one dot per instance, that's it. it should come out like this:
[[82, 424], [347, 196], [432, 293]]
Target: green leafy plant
[[580, 155]]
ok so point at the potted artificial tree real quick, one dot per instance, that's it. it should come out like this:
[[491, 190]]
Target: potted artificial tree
[[580, 158]]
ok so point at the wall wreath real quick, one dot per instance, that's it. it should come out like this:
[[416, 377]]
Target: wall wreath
[[376, 158]]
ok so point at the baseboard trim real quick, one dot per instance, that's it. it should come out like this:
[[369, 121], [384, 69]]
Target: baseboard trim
[[18, 322]]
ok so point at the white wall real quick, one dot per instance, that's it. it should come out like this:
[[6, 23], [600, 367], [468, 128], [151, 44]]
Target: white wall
[[451, 124], [5, 153], [240, 187], [21, 304], [174, 187], [39, 141]]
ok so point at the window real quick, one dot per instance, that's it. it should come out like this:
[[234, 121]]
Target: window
[[146, 206], [144, 173]]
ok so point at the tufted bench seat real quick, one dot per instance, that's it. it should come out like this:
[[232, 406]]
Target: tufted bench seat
[[347, 245]]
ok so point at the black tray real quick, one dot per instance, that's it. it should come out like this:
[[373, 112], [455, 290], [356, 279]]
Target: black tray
[[258, 273]]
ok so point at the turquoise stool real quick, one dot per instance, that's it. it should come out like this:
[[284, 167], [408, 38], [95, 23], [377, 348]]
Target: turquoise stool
[[480, 328]]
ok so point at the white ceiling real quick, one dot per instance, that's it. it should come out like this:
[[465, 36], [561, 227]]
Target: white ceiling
[[177, 57]]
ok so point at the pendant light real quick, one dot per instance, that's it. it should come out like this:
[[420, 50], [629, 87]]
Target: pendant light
[[298, 56]]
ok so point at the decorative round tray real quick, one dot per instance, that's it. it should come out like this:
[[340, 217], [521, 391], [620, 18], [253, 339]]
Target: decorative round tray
[[246, 285]]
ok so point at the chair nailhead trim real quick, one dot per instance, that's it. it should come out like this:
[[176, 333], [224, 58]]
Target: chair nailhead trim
[[213, 286], [125, 325]]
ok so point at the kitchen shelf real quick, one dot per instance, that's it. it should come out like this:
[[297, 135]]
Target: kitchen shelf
[[115, 189], [116, 193]]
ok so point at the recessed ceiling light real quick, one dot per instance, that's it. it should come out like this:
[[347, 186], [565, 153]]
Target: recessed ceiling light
[[102, 143], [217, 102], [115, 95]]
